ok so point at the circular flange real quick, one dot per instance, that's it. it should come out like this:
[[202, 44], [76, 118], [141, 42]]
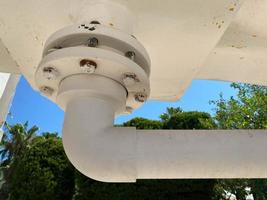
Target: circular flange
[[107, 38], [67, 53]]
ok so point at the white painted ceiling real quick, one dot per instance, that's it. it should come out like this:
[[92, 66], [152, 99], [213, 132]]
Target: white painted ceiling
[[185, 39]]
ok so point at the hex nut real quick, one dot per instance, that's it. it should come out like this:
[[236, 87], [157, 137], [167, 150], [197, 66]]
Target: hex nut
[[140, 97], [48, 91], [130, 55], [88, 66], [130, 79], [50, 73], [93, 42]]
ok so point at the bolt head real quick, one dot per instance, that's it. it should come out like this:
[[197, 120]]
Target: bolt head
[[130, 55], [50, 73], [129, 79], [93, 42], [88, 66], [140, 97], [48, 91]]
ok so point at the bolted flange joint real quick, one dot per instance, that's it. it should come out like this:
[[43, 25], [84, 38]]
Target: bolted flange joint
[[98, 50]]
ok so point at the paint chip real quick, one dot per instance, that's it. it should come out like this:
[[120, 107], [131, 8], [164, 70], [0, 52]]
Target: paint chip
[[231, 9]]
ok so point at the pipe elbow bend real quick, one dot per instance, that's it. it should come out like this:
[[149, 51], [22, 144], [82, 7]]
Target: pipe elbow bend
[[106, 155], [96, 148]]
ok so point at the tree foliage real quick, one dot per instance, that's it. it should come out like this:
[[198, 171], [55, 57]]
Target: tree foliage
[[187, 120], [143, 189], [16, 139], [43, 172], [142, 123], [248, 110]]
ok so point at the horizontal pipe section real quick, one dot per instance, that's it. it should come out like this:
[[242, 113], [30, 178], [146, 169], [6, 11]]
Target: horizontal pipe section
[[172, 154]]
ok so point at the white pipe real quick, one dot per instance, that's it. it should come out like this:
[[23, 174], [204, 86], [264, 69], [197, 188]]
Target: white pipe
[[110, 154], [91, 143], [7, 87], [169, 154]]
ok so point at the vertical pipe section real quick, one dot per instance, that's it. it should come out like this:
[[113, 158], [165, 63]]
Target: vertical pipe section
[[94, 147], [8, 87], [7, 91], [201, 154]]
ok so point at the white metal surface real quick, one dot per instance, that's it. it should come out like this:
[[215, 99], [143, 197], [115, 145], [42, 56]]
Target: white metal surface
[[110, 154], [91, 143], [7, 64], [68, 48], [8, 85], [200, 154], [240, 56], [178, 35]]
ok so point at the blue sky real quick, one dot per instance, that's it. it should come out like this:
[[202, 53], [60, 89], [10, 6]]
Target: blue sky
[[29, 105]]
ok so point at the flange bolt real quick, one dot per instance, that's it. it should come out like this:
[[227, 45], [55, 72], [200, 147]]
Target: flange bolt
[[129, 79], [93, 42], [48, 91], [88, 66], [50, 73], [130, 55], [140, 97]]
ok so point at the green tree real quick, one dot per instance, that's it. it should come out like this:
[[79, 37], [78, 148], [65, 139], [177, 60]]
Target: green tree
[[170, 112], [177, 119], [87, 188], [142, 123], [15, 140], [248, 110], [237, 187], [43, 172]]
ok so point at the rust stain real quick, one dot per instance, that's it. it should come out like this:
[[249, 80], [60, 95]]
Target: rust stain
[[231, 9]]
